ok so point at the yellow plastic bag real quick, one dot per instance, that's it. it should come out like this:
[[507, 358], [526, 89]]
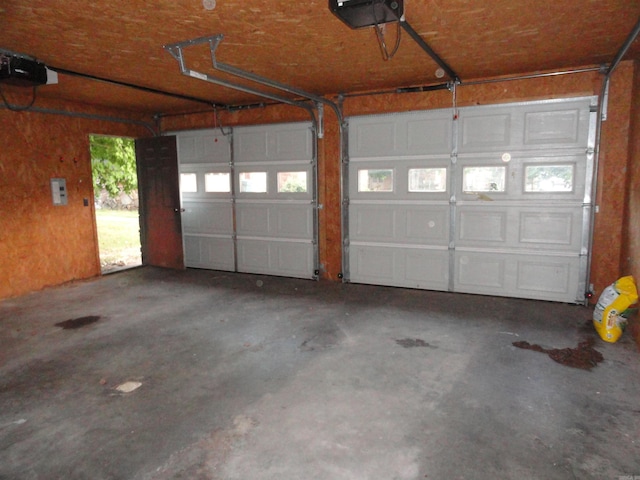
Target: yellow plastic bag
[[610, 313]]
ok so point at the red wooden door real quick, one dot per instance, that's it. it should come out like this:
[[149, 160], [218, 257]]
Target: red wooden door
[[160, 221]]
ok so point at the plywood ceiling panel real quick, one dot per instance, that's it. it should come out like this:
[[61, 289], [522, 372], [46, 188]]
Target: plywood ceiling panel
[[302, 44]]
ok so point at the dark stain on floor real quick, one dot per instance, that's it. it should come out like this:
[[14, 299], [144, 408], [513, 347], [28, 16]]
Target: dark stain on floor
[[74, 323], [321, 339], [584, 356], [413, 342]]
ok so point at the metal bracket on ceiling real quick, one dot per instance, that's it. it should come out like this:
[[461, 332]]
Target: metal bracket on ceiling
[[429, 51], [214, 42], [176, 51]]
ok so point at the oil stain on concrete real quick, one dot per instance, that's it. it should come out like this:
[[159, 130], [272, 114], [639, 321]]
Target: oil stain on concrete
[[74, 323]]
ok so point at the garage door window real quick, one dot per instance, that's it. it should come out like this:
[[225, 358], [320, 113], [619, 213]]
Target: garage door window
[[188, 183], [217, 183], [483, 179], [549, 178], [375, 180], [253, 182], [427, 179], [292, 182]]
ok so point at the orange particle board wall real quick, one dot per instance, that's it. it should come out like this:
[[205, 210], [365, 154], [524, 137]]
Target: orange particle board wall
[[630, 261], [42, 244]]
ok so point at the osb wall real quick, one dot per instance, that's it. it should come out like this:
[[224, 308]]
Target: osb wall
[[607, 247], [630, 262], [42, 244]]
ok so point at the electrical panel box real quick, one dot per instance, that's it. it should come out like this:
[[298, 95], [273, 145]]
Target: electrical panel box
[[59, 191], [367, 13]]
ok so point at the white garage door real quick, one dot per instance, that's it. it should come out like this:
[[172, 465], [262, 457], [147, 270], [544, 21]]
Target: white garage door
[[275, 199], [249, 199], [496, 202], [204, 160]]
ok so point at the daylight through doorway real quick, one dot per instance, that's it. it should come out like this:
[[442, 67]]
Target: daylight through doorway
[[115, 185]]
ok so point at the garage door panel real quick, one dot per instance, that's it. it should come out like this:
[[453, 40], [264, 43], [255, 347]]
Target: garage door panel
[[392, 135], [527, 178], [290, 259], [479, 271], [253, 219], [428, 225], [400, 170], [207, 217], [293, 143], [438, 140], [253, 256], [427, 269], [294, 221], [480, 225], [278, 142], [408, 224], [275, 220], [369, 138], [203, 146], [400, 267], [250, 145], [294, 259], [524, 276], [373, 263], [486, 132], [545, 275], [559, 127], [373, 223], [549, 124], [559, 229], [544, 226], [209, 252]]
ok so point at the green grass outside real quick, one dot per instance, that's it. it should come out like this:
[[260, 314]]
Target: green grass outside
[[118, 237]]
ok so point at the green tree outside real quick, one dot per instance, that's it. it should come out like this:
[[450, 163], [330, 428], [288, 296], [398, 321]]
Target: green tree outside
[[113, 163]]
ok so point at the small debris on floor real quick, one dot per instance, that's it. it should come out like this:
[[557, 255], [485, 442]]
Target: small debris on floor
[[584, 356], [413, 342], [15, 422], [509, 333], [128, 387], [73, 323]]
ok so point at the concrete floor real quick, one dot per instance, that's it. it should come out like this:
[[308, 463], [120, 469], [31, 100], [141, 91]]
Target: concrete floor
[[251, 378]]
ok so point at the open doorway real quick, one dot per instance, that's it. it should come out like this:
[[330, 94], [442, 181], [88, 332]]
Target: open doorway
[[115, 186]]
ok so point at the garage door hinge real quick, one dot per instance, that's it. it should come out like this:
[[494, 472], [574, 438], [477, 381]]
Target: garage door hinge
[[454, 158], [590, 151]]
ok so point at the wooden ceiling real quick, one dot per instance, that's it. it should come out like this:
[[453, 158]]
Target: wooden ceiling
[[301, 43]]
